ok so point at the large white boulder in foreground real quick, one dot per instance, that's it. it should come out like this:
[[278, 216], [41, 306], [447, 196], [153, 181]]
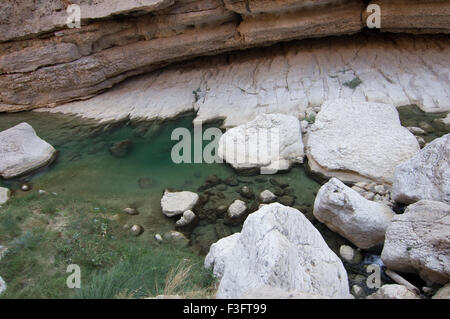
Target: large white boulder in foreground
[[426, 175], [22, 151], [418, 241], [176, 203], [346, 212], [280, 248], [359, 141], [271, 142]]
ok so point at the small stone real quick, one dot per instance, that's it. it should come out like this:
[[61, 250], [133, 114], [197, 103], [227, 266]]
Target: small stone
[[421, 141], [246, 192], [131, 211], [42, 192], [416, 130], [25, 187], [349, 254], [136, 230], [187, 218], [267, 196], [286, 200], [213, 180], [357, 291], [231, 181], [222, 209], [176, 237], [158, 238], [236, 209], [176, 203]]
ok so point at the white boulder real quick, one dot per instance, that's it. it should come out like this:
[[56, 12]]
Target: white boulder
[[393, 292], [358, 141], [5, 194], [280, 248], [271, 142], [22, 151], [418, 241], [267, 196], [176, 203], [346, 212], [236, 209], [187, 218], [426, 175]]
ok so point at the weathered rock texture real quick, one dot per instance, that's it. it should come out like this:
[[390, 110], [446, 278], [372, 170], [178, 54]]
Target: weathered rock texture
[[419, 241], [270, 142], [22, 151], [426, 175], [359, 141], [280, 248], [44, 63], [291, 79], [344, 211]]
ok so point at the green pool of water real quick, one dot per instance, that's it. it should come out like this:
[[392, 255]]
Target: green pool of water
[[86, 170]]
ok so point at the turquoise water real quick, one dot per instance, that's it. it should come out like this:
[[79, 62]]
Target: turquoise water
[[86, 169]]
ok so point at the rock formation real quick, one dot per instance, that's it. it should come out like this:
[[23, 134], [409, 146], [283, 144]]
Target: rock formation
[[44, 63]]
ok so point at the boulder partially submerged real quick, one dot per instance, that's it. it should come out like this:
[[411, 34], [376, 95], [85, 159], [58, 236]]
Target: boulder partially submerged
[[22, 151], [280, 248], [358, 141]]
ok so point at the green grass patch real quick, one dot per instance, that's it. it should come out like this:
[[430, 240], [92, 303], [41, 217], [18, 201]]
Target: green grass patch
[[113, 263]]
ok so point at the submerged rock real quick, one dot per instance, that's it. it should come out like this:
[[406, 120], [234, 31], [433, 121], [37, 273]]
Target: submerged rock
[[344, 211], [121, 149], [176, 203], [22, 151], [131, 211], [5, 194], [176, 237], [426, 175], [358, 141], [418, 241], [280, 248], [271, 142]]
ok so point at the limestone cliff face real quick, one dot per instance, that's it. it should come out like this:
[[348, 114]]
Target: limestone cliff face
[[43, 63]]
